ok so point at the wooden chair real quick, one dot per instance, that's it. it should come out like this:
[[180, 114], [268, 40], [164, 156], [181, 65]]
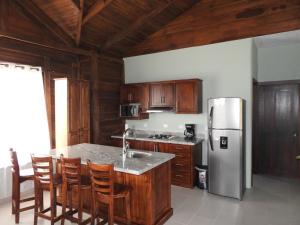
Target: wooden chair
[[18, 177], [104, 190], [72, 179], [45, 180]]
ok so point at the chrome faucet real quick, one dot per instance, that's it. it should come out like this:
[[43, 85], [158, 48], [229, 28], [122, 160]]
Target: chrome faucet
[[125, 143]]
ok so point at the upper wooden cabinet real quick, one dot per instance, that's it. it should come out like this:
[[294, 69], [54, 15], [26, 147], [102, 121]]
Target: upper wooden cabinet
[[189, 96], [136, 93], [162, 94], [185, 96]]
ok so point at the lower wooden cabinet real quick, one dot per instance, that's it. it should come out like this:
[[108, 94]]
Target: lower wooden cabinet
[[183, 165]]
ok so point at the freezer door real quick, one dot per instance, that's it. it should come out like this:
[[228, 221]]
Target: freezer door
[[225, 113], [225, 163]]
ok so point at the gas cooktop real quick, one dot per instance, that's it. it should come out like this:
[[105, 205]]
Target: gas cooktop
[[161, 136]]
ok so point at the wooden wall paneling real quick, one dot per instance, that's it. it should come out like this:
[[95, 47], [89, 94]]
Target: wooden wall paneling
[[49, 98], [209, 22]]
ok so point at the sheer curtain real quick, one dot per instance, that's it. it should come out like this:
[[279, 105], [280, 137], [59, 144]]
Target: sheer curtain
[[23, 118]]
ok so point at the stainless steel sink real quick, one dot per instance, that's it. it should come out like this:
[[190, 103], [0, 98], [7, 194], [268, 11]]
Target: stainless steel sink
[[136, 154]]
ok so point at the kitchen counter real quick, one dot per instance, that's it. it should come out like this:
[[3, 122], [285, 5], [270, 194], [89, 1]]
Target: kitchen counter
[[102, 154], [148, 177], [175, 140]]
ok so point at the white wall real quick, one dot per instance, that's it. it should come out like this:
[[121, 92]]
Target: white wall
[[279, 63], [226, 70]]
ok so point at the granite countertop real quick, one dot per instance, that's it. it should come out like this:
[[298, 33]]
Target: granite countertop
[[175, 140], [103, 154]]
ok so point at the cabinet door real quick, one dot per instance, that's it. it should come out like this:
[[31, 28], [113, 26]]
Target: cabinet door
[[156, 95], [162, 147], [168, 97], [142, 96], [188, 96], [84, 112], [149, 146], [133, 144], [73, 112], [129, 94], [117, 142]]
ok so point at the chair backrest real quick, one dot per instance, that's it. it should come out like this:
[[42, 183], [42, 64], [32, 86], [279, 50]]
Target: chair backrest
[[14, 161], [71, 170], [102, 178], [43, 170]]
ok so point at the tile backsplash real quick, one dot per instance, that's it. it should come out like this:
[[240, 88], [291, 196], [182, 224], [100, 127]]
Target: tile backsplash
[[170, 122]]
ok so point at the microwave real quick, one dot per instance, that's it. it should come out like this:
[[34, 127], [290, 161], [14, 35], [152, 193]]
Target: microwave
[[130, 110]]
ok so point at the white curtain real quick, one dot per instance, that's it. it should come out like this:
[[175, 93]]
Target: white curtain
[[23, 118]]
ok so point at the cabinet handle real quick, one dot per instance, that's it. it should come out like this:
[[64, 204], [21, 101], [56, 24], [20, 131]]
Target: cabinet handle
[[181, 156], [178, 175], [161, 101], [178, 148], [178, 164]]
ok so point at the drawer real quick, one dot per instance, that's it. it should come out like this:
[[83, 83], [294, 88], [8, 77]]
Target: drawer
[[181, 166], [180, 151], [181, 178]]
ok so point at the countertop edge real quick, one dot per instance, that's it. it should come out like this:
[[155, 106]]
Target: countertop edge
[[161, 141]]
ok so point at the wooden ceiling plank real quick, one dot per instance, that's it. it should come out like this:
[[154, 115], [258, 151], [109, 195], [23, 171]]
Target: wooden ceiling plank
[[79, 25], [73, 50], [95, 9], [37, 13], [136, 25]]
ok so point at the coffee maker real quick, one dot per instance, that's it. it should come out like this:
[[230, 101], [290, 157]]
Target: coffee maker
[[189, 132]]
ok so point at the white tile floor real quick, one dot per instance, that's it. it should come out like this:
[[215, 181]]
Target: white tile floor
[[272, 201]]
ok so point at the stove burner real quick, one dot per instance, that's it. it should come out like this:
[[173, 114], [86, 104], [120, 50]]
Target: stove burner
[[161, 136]]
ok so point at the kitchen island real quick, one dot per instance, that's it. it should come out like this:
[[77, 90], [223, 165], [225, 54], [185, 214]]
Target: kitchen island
[[149, 177]]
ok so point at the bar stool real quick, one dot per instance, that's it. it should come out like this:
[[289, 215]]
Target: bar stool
[[45, 180], [104, 190], [72, 179], [18, 177]]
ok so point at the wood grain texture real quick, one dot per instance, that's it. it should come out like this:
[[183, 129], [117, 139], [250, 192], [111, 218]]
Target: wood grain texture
[[105, 76], [278, 122], [98, 6], [217, 21], [40, 16]]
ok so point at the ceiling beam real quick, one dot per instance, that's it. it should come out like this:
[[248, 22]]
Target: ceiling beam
[[136, 25], [79, 25], [40, 16], [98, 6], [72, 50]]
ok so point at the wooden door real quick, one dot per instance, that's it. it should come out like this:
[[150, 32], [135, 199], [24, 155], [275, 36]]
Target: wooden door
[[188, 96], [84, 112], [156, 94], [278, 131], [73, 112], [168, 97]]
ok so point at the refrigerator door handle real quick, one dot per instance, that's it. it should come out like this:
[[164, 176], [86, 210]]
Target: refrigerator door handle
[[210, 140], [211, 113]]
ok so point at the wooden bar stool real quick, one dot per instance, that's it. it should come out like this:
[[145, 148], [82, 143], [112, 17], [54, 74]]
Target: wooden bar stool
[[72, 179], [18, 177], [104, 190], [45, 180]]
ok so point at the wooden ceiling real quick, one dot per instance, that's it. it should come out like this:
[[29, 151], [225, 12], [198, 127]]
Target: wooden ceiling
[[122, 28], [108, 26]]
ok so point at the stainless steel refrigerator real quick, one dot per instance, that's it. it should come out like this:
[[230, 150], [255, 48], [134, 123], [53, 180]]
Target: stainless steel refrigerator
[[226, 147]]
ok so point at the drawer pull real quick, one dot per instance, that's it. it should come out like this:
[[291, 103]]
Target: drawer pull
[[178, 164], [178, 148], [178, 175], [181, 156]]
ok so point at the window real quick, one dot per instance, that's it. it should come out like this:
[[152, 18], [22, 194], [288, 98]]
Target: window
[[23, 115]]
